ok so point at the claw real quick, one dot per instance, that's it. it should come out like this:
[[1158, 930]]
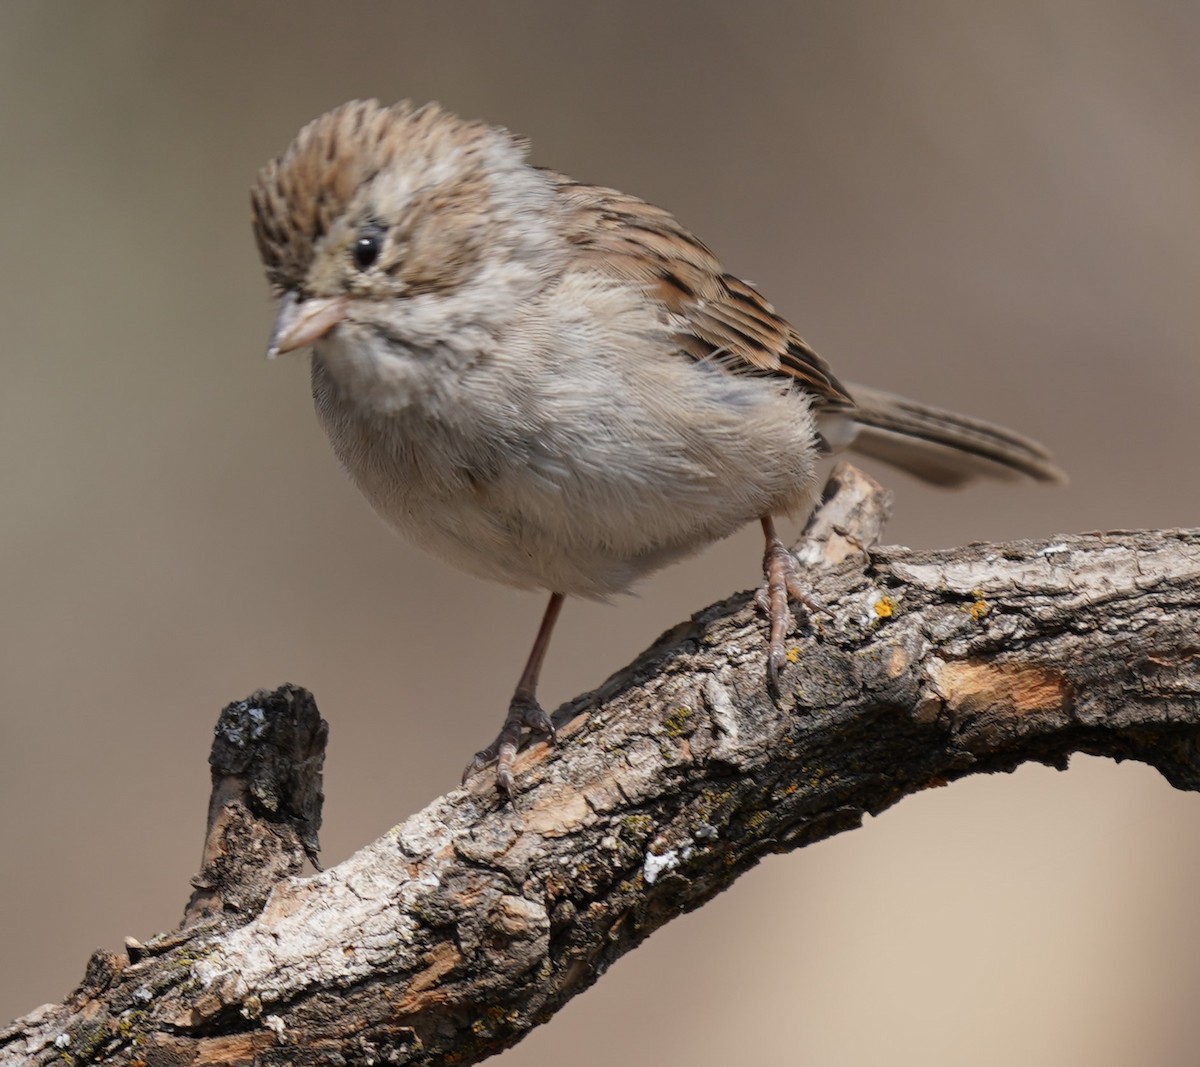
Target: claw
[[773, 666]]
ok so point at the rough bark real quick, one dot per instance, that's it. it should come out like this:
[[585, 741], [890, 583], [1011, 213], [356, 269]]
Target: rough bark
[[447, 939]]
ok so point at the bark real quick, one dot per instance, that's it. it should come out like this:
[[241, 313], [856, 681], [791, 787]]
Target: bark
[[447, 939]]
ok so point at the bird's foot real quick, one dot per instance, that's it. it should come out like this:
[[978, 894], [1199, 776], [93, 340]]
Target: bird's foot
[[782, 587], [524, 713]]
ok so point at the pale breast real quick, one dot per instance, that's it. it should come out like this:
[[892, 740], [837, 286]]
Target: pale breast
[[579, 454]]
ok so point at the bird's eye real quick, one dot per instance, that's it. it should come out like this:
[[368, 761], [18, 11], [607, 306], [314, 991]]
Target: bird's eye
[[367, 246]]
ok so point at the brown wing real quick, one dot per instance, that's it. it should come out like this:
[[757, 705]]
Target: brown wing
[[726, 318]]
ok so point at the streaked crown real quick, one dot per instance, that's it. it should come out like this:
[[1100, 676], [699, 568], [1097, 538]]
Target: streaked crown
[[300, 195]]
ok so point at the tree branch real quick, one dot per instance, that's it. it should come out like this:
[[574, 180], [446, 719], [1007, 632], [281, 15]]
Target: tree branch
[[450, 937]]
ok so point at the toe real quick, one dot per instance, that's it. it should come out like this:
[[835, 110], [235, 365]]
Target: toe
[[532, 716], [480, 760]]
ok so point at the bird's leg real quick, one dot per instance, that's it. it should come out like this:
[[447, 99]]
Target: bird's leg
[[524, 712], [782, 574]]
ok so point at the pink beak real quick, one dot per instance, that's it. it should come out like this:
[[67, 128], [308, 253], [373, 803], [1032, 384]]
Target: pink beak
[[301, 322]]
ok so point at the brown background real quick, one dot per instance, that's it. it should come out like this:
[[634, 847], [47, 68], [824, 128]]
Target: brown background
[[993, 211]]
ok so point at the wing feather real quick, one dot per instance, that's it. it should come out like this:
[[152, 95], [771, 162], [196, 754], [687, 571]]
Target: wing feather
[[719, 316]]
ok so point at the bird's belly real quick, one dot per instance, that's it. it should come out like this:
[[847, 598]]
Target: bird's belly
[[514, 527], [584, 505], [583, 536]]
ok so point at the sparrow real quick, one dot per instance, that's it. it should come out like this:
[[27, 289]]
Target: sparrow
[[554, 384]]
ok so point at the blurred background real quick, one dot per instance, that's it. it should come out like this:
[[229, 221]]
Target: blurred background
[[993, 208]]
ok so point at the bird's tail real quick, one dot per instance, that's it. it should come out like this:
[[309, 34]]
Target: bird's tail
[[938, 446]]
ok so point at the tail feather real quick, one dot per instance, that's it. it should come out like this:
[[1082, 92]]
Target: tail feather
[[941, 447]]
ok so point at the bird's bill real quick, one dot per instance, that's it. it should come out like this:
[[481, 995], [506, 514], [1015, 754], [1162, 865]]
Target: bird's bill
[[301, 322]]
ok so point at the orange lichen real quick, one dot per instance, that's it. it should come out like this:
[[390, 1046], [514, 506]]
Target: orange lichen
[[980, 608]]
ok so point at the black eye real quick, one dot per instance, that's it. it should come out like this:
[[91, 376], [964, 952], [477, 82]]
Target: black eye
[[367, 246]]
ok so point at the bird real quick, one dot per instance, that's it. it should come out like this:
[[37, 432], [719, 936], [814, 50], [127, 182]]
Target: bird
[[556, 385]]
